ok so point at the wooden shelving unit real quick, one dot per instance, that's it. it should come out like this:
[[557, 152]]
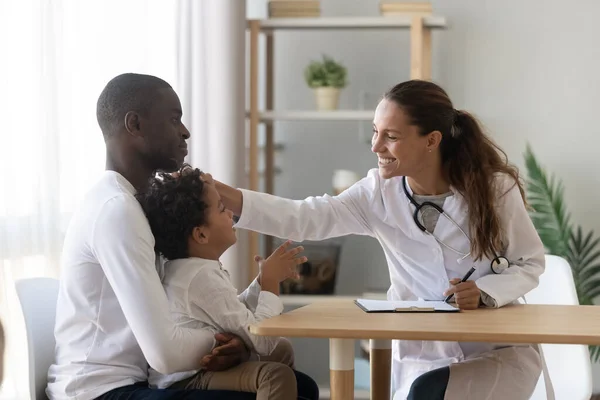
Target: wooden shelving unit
[[339, 115], [313, 115], [420, 68], [392, 22]]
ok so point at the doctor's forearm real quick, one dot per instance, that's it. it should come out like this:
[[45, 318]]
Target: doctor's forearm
[[231, 197]]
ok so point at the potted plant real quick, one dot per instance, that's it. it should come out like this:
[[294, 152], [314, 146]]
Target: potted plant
[[545, 195], [327, 78]]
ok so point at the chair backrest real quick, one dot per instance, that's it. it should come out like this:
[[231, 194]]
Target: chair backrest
[[556, 284], [568, 365], [38, 302]]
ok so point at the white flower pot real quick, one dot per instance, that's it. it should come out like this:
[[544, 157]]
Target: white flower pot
[[343, 179], [327, 98]]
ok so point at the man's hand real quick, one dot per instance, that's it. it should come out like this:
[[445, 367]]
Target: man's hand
[[466, 294], [229, 352]]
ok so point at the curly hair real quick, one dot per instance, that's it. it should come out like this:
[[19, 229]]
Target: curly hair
[[174, 206]]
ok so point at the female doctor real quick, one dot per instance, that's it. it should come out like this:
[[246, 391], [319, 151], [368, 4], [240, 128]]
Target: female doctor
[[443, 200]]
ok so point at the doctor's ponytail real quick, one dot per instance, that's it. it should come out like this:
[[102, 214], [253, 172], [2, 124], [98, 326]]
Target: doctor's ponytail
[[470, 159]]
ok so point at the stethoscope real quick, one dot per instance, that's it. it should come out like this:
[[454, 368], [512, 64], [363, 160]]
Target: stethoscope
[[498, 264]]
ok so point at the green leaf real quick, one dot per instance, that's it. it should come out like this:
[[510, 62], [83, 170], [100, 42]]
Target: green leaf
[[594, 353], [327, 72], [549, 216], [588, 295], [545, 195], [589, 272]]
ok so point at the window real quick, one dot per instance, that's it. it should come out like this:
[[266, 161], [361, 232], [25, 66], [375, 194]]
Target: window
[[57, 55]]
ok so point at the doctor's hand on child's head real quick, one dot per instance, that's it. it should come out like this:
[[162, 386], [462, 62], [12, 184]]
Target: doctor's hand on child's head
[[466, 294], [207, 178], [282, 264], [185, 169]]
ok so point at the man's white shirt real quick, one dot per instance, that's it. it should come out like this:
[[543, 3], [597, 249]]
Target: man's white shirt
[[112, 317]]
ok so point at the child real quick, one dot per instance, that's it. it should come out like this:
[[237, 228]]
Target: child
[[192, 229]]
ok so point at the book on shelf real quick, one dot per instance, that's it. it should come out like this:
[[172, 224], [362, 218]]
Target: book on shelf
[[404, 8], [294, 8], [295, 14], [294, 4]]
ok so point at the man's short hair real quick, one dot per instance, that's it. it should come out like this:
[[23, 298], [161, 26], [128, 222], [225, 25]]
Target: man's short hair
[[124, 93]]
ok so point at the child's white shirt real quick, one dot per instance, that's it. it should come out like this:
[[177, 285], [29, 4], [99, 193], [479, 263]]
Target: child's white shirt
[[201, 296]]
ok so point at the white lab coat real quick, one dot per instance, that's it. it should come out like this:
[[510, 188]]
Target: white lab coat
[[420, 268]]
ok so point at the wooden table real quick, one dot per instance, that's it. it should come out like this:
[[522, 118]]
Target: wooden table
[[343, 322]]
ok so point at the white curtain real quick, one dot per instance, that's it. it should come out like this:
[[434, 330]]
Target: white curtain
[[56, 56], [211, 79]]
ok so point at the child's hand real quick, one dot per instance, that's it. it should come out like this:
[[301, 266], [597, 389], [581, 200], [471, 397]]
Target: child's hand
[[280, 265]]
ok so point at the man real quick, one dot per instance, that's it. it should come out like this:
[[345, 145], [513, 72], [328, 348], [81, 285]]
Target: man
[[112, 315]]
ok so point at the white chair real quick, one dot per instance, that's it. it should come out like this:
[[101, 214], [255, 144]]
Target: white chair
[[569, 366], [38, 302]]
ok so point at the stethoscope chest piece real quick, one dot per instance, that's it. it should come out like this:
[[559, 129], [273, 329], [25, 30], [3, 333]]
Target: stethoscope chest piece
[[500, 264]]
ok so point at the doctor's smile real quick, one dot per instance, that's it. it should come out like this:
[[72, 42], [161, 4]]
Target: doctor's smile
[[385, 161]]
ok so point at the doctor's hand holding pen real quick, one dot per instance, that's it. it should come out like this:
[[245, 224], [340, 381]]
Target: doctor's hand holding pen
[[466, 294]]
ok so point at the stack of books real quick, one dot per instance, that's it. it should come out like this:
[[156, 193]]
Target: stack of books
[[391, 8], [294, 8]]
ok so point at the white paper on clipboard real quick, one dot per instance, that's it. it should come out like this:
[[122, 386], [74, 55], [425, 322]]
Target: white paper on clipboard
[[387, 306]]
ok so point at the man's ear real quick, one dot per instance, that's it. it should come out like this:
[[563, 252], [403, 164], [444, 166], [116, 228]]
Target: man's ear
[[200, 235], [132, 123]]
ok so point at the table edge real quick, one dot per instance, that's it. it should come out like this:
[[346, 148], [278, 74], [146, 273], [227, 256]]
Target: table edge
[[517, 338]]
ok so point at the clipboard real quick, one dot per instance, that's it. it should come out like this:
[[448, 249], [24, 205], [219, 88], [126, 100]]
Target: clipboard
[[385, 306]]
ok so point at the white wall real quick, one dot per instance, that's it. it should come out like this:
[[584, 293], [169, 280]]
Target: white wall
[[529, 70]]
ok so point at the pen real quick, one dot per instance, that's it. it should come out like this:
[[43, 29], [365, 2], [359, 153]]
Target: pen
[[464, 279]]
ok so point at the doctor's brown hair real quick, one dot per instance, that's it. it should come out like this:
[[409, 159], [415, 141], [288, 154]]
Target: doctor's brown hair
[[470, 159]]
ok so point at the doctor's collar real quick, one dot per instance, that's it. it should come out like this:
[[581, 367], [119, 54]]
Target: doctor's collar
[[403, 179]]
